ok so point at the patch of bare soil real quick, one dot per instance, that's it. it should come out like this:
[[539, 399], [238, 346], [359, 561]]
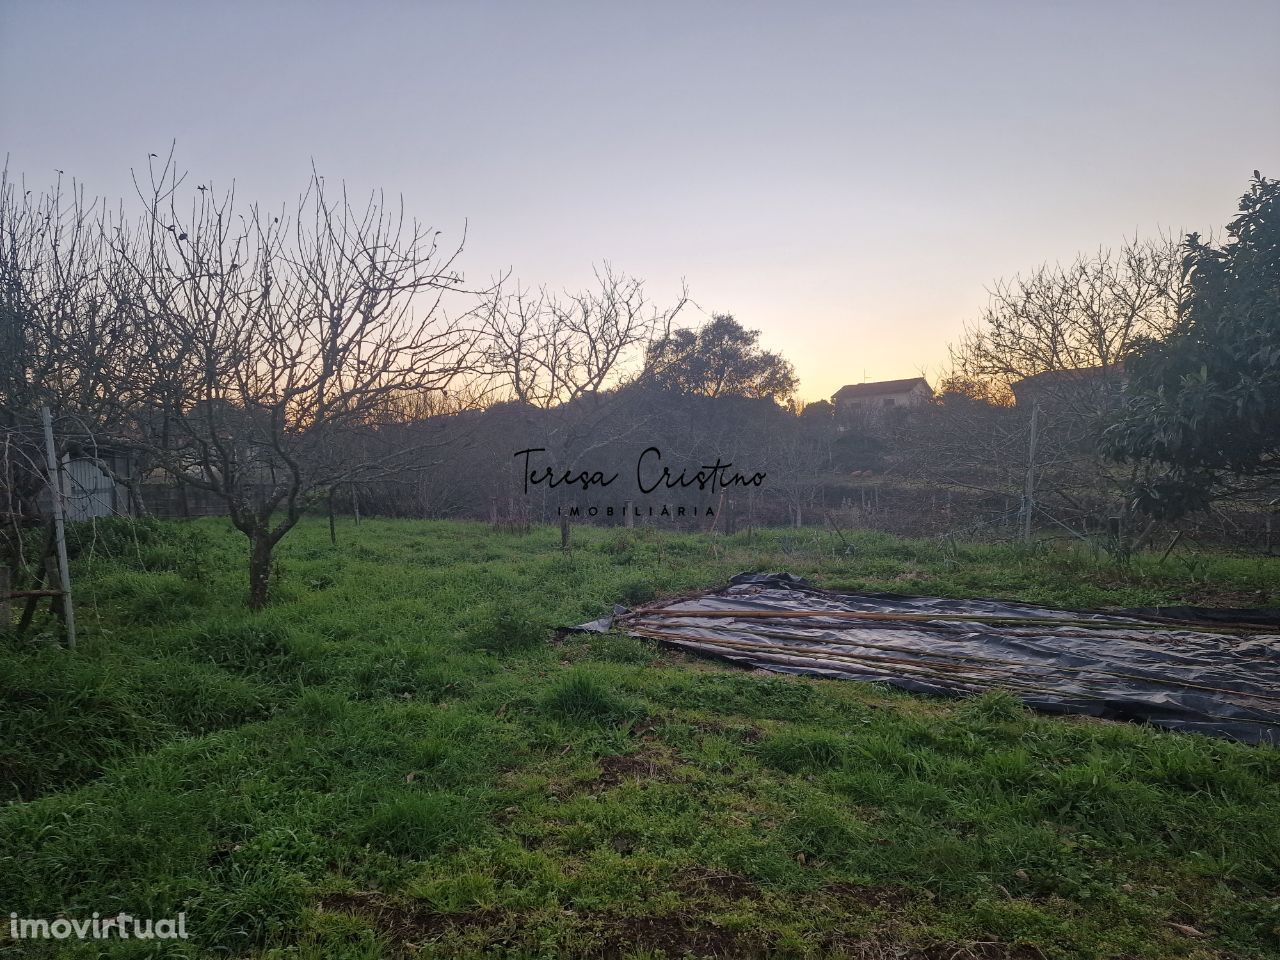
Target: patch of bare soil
[[848, 897], [887, 950], [710, 883], [409, 928], [596, 936], [1213, 596], [986, 950], [852, 895], [671, 936], [652, 763], [645, 728]]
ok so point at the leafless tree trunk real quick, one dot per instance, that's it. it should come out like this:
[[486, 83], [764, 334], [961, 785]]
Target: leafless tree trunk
[[277, 347]]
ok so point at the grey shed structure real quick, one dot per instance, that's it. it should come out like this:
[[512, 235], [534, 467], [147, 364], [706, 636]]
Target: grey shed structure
[[90, 493]]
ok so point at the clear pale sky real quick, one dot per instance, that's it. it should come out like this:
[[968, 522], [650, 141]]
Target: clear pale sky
[[846, 177]]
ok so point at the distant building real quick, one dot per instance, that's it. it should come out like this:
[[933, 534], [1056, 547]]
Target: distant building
[[882, 395], [1094, 388], [90, 492]]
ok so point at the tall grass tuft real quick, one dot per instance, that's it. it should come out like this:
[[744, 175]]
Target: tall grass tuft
[[580, 696], [504, 628], [797, 751], [418, 825]]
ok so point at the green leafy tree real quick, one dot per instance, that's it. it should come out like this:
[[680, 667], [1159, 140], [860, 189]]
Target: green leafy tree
[[720, 359], [1203, 411]]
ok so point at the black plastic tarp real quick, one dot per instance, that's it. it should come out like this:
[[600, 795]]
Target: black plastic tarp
[[1184, 668]]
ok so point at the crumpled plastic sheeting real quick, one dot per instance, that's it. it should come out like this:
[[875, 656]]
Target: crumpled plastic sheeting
[[1149, 665]]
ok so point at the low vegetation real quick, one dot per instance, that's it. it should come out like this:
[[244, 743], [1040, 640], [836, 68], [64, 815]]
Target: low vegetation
[[402, 757]]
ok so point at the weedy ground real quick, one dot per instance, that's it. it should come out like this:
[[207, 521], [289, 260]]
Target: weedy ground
[[401, 758]]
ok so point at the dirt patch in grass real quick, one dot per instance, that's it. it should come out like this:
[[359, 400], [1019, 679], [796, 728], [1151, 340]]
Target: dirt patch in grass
[[609, 936], [650, 764], [744, 733], [889, 950], [634, 766], [652, 761], [406, 926], [857, 897], [645, 728], [724, 886], [849, 897], [1214, 596], [676, 935], [983, 950]]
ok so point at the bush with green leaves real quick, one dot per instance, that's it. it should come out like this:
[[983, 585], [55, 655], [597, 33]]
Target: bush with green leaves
[[1203, 404]]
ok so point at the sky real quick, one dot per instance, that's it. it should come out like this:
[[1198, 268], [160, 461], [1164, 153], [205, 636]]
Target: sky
[[847, 178]]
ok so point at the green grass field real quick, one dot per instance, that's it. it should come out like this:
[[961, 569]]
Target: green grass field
[[400, 758]]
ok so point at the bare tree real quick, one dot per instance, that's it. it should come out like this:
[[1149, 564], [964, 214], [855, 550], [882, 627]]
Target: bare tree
[[62, 320], [63, 327], [1081, 316], [1056, 339], [546, 350], [567, 360], [275, 348]]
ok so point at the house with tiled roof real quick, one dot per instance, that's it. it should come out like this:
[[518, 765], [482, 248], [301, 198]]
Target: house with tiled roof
[[882, 395]]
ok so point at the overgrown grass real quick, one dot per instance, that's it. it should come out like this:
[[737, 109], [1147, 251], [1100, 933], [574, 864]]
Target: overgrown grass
[[400, 757]]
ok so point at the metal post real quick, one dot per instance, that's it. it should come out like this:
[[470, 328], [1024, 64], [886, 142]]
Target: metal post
[[59, 528]]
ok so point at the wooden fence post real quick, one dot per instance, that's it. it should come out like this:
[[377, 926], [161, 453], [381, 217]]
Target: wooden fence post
[[5, 615], [52, 575], [59, 528], [564, 531], [1029, 486]]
